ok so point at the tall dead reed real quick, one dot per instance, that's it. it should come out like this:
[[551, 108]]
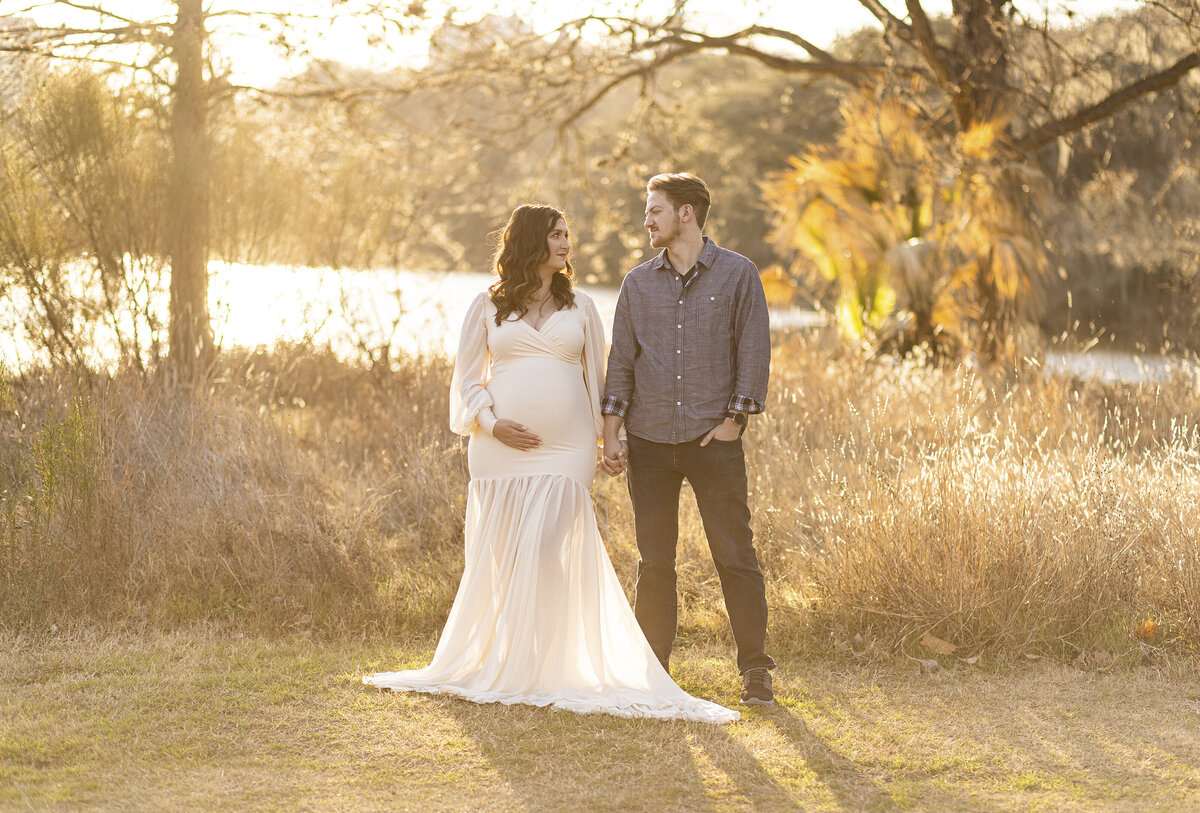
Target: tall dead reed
[[298, 493], [1001, 511]]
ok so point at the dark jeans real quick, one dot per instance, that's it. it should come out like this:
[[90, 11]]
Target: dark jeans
[[717, 473]]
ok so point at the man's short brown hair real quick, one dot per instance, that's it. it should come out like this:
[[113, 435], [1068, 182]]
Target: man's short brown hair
[[682, 188]]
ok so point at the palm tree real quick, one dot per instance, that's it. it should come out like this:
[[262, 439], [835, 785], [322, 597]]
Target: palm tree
[[917, 232]]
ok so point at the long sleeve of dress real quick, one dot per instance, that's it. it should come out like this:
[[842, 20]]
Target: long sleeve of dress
[[593, 358], [470, 402]]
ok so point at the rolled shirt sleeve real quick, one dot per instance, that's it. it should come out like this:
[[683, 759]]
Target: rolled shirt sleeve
[[619, 381], [752, 337], [614, 406], [744, 403]]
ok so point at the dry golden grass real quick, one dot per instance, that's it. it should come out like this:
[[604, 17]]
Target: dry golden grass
[[203, 719], [273, 500], [1006, 513], [1014, 512]]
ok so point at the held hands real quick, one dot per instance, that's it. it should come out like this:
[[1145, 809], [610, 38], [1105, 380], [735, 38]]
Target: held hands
[[513, 434], [616, 456], [726, 431]]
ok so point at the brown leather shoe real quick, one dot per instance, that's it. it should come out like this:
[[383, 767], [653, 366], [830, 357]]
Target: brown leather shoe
[[756, 688]]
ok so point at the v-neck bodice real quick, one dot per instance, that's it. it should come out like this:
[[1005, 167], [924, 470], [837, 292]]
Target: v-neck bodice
[[545, 321], [560, 336]]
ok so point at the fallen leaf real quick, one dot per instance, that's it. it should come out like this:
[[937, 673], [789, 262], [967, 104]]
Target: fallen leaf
[[1147, 630], [937, 645]]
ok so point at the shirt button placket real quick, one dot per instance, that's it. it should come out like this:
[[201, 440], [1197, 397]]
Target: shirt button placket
[[677, 424]]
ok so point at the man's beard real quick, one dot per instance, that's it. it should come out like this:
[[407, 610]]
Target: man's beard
[[663, 238]]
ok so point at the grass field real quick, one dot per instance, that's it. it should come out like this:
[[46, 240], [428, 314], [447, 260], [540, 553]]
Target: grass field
[[203, 718], [192, 584]]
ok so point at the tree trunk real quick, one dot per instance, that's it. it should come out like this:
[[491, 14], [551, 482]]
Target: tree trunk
[[980, 58], [191, 336]]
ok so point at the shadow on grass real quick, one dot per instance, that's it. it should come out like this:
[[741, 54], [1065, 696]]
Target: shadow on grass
[[559, 760], [853, 789], [749, 777], [554, 760]]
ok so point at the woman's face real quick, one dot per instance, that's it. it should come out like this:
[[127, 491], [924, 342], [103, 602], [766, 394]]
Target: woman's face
[[558, 243]]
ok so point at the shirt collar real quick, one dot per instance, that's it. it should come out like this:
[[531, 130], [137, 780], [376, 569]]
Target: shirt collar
[[707, 255]]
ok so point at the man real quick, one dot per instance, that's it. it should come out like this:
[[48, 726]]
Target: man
[[688, 365]]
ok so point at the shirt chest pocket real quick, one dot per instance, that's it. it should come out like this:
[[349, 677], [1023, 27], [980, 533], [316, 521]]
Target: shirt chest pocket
[[712, 313]]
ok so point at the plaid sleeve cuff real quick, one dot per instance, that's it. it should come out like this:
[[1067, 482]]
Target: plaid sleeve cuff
[[742, 403], [614, 406]]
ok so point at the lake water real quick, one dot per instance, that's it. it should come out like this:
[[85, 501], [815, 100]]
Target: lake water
[[262, 304], [1115, 367], [419, 311]]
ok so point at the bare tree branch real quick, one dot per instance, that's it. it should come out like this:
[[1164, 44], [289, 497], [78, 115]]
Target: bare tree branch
[[34, 37], [927, 44], [891, 23], [789, 36], [337, 94], [823, 63], [882, 14], [852, 72], [96, 10], [643, 71], [1043, 135]]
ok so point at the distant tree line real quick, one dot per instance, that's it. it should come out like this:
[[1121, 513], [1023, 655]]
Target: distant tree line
[[415, 167]]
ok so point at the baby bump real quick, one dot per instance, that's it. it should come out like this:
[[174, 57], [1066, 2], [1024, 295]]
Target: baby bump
[[547, 396]]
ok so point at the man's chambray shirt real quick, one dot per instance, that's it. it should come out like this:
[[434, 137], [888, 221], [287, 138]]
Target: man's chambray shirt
[[684, 353]]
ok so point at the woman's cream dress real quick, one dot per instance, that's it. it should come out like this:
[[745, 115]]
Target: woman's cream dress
[[540, 617]]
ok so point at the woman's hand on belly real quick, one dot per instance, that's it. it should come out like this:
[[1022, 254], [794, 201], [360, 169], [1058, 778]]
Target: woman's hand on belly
[[513, 434]]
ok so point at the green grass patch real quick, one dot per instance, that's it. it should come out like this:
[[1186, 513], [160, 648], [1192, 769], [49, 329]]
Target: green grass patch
[[206, 718]]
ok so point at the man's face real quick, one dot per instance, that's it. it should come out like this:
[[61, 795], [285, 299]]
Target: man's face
[[662, 220]]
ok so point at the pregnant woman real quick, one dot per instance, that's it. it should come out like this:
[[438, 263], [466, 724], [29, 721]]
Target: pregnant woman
[[539, 617]]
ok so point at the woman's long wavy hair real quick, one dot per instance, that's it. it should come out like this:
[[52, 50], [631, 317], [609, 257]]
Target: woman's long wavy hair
[[522, 249]]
